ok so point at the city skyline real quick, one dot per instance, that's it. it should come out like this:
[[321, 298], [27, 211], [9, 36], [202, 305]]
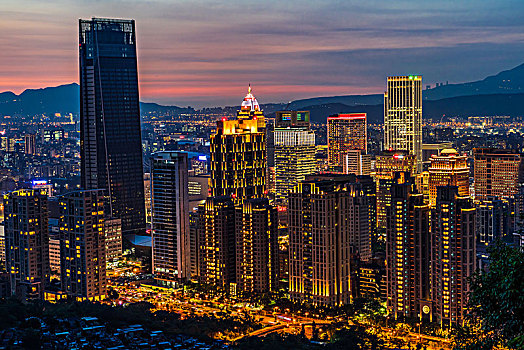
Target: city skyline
[[213, 50]]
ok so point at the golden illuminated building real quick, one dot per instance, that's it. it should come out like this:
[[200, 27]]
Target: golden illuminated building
[[82, 245], [448, 169], [257, 246], [216, 239], [386, 165], [345, 132], [27, 242], [238, 160], [497, 172], [453, 254], [407, 249], [250, 110], [403, 116], [328, 223]]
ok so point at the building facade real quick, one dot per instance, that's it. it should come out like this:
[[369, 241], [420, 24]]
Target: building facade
[[346, 132], [448, 169], [403, 116], [110, 136], [217, 233], [453, 254], [27, 242], [170, 216], [325, 221], [238, 160], [497, 172], [407, 250], [257, 246], [386, 165], [82, 245], [294, 151]]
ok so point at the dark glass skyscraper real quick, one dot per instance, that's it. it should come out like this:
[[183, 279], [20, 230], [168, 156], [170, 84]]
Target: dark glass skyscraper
[[110, 143]]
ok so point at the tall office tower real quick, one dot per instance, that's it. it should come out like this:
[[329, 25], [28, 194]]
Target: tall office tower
[[217, 241], [453, 258], [238, 160], [356, 162], [250, 110], [448, 169], [386, 165], [497, 172], [403, 116], [170, 216], [346, 132], [407, 250], [82, 241], [294, 151], [327, 218], [113, 231], [495, 219], [27, 242], [29, 144], [257, 246], [110, 140]]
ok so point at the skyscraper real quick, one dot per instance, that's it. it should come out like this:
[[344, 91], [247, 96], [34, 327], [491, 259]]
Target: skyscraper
[[448, 169], [345, 132], [327, 218], [257, 246], [217, 232], [110, 140], [407, 249], [386, 165], [82, 245], [238, 160], [294, 151], [497, 172], [453, 254], [27, 242], [170, 216], [403, 116]]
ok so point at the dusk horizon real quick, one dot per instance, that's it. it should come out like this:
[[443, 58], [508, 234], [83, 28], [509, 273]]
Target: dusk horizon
[[204, 55]]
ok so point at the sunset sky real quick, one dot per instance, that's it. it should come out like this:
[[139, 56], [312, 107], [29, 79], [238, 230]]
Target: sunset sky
[[204, 53]]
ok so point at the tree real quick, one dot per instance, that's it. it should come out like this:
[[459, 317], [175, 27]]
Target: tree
[[496, 302]]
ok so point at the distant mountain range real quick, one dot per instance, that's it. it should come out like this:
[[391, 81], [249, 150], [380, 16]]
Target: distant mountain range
[[62, 99], [500, 94]]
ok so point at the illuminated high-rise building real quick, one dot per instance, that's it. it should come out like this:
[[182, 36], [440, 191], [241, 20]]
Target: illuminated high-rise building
[[328, 223], [217, 233], [386, 165], [356, 162], [448, 169], [250, 110], [257, 246], [110, 140], [82, 245], [454, 254], [27, 242], [294, 151], [407, 250], [497, 172], [238, 155], [170, 217], [345, 132], [403, 116]]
